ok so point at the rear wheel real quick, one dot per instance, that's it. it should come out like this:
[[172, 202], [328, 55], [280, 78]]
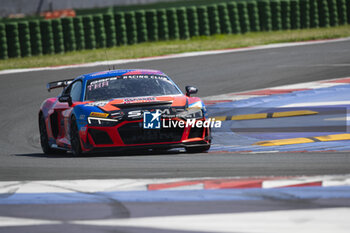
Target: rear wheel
[[44, 139], [75, 138]]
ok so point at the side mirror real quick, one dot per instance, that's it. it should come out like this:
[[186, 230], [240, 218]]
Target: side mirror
[[65, 99], [191, 90]]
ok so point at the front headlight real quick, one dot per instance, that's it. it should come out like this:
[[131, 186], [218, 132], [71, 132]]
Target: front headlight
[[192, 113], [102, 122]]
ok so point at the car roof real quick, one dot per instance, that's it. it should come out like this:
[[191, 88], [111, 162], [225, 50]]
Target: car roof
[[112, 73]]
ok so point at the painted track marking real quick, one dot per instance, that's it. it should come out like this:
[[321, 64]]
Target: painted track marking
[[291, 141], [12, 222], [256, 116]]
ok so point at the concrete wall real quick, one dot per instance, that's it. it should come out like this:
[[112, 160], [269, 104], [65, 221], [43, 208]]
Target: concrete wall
[[30, 6]]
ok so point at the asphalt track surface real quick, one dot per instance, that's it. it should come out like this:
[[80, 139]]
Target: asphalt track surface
[[21, 95]]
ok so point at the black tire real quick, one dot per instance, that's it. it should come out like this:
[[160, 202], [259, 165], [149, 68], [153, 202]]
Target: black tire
[[75, 138], [198, 149], [44, 140]]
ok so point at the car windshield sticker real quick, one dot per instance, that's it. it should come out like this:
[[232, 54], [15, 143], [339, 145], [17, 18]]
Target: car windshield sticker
[[98, 104], [144, 77], [139, 99], [141, 76], [98, 84]]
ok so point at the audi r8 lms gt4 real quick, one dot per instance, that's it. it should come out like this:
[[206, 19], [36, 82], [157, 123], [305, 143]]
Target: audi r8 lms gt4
[[122, 109]]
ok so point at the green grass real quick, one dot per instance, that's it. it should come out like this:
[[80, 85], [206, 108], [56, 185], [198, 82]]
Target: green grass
[[176, 46]]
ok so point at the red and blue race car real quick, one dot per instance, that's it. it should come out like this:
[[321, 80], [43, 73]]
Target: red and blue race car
[[122, 109]]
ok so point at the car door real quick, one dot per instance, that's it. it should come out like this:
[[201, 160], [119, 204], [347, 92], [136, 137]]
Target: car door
[[64, 111]]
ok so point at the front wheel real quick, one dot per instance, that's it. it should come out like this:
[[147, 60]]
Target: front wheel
[[75, 138]]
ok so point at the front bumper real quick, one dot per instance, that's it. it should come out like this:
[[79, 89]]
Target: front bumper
[[130, 135], [147, 147]]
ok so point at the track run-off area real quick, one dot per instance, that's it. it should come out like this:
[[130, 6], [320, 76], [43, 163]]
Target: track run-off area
[[280, 163]]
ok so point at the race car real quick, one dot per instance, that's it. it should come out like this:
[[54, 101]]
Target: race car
[[117, 110]]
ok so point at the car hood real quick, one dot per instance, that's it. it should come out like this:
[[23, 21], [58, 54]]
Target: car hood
[[135, 102]]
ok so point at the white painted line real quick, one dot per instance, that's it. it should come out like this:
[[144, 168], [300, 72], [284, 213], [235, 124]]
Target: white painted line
[[172, 56], [337, 119], [231, 97], [185, 187], [263, 152], [318, 85], [318, 65], [109, 185], [11, 222], [288, 221], [329, 180], [288, 182], [243, 97], [86, 186], [328, 183], [312, 104], [309, 85]]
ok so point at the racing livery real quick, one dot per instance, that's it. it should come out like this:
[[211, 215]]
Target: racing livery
[[122, 109]]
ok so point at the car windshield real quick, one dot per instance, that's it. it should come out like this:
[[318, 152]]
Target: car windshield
[[129, 86]]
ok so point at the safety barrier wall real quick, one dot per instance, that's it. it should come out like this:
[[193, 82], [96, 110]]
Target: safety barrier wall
[[58, 36], [152, 25], [120, 29], [24, 39], [89, 32], [225, 26], [36, 37], [69, 39]]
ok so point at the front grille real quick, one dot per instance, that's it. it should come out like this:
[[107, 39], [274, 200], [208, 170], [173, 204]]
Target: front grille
[[100, 137], [133, 133], [196, 132]]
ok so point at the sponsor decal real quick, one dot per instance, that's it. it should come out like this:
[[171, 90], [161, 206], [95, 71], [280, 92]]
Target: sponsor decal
[[65, 83], [140, 76], [139, 99], [117, 115], [165, 113], [99, 114], [97, 104], [151, 120], [144, 76], [97, 85]]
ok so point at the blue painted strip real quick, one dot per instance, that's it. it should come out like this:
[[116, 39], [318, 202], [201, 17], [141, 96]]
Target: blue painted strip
[[231, 141], [335, 93], [296, 193]]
